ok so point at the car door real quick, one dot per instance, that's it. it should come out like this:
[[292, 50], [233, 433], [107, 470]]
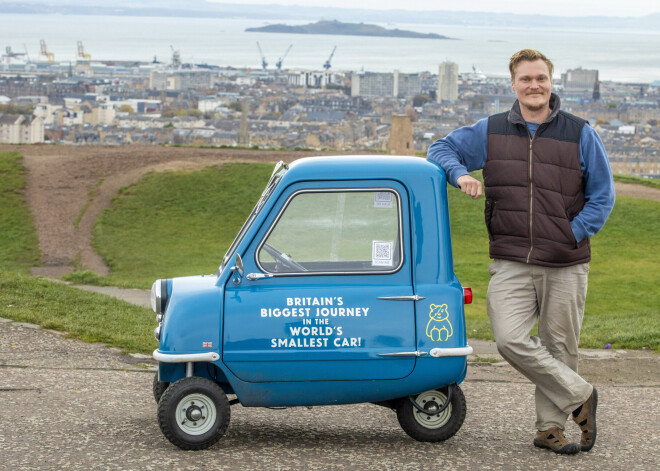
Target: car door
[[327, 292]]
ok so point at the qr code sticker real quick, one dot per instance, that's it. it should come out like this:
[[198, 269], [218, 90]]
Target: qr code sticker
[[381, 255], [383, 199]]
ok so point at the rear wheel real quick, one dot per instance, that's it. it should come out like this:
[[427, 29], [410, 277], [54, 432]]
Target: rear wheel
[[193, 413], [429, 426]]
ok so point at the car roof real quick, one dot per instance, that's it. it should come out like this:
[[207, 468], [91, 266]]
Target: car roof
[[359, 167]]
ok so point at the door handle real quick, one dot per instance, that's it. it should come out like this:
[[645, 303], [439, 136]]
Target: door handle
[[258, 276], [414, 297]]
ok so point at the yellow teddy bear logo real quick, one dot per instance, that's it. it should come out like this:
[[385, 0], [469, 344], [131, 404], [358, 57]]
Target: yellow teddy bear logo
[[439, 324]]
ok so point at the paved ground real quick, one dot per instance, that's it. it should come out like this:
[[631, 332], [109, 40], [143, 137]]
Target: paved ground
[[65, 404]]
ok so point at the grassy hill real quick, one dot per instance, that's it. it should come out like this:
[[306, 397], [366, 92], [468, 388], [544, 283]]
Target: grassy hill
[[19, 247], [89, 316], [176, 224], [623, 300]]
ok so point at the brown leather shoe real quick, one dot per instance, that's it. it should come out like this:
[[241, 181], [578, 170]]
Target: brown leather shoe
[[585, 417], [554, 439]]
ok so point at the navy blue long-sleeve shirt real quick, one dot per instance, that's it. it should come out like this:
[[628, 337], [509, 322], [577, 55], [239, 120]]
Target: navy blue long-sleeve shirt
[[465, 150]]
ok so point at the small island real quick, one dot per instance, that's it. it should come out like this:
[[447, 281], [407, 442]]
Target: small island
[[345, 29]]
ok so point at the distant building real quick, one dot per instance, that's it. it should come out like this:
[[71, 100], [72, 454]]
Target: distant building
[[309, 78], [47, 112], [581, 83], [328, 100], [407, 85], [397, 85], [243, 133], [181, 79], [400, 141], [447, 82], [105, 113], [21, 129], [372, 84], [626, 130]]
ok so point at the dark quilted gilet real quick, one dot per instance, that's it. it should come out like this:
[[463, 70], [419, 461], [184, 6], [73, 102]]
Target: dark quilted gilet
[[534, 188]]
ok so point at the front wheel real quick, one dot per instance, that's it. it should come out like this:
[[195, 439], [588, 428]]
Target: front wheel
[[159, 388], [193, 413], [428, 427]]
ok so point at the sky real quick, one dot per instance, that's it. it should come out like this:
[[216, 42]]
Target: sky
[[619, 8]]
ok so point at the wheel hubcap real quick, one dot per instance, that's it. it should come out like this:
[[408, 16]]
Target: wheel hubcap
[[431, 401], [196, 414], [431, 406]]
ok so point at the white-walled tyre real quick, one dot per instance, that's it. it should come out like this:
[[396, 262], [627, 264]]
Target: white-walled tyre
[[193, 413], [429, 426]]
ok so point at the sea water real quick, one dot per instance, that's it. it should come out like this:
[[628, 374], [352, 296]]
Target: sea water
[[625, 55]]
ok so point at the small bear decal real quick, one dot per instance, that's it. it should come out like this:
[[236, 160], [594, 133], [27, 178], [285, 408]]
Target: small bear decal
[[439, 328]]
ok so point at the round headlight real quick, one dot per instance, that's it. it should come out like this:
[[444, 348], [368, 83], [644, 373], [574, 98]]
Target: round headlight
[[155, 296], [159, 296]]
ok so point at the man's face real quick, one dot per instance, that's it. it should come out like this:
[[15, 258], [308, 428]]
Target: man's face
[[532, 85]]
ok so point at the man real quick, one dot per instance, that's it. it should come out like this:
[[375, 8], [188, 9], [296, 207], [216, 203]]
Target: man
[[548, 189]]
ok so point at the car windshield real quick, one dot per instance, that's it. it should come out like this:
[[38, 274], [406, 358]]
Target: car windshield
[[278, 173]]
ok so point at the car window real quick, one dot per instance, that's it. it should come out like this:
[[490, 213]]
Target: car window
[[335, 231], [279, 171]]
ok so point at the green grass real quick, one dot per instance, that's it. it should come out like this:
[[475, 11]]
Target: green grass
[[651, 182], [177, 224], [184, 237], [88, 316], [623, 300], [87, 277], [19, 247]]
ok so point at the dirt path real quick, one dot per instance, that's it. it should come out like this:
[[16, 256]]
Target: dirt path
[[637, 191], [69, 186]]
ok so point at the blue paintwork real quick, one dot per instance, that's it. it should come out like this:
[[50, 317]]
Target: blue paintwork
[[192, 316], [213, 309]]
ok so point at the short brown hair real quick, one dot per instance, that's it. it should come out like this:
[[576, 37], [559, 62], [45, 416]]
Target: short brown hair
[[528, 55]]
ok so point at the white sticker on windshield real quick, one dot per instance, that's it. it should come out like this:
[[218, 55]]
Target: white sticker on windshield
[[381, 254], [383, 199]]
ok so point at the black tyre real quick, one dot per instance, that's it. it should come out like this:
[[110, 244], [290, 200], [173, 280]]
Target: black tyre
[[432, 428], [193, 413], [159, 387]]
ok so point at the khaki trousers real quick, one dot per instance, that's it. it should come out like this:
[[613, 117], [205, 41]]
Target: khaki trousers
[[519, 294]]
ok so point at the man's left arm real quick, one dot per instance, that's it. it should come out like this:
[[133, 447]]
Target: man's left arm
[[599, 186]]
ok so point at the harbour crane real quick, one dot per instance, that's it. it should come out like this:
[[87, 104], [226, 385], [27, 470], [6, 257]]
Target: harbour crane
[[278, 64], [11, 55], [81, 52], [176, 58], [27, 56], [44, 52], [327, 66], [264, 64]]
